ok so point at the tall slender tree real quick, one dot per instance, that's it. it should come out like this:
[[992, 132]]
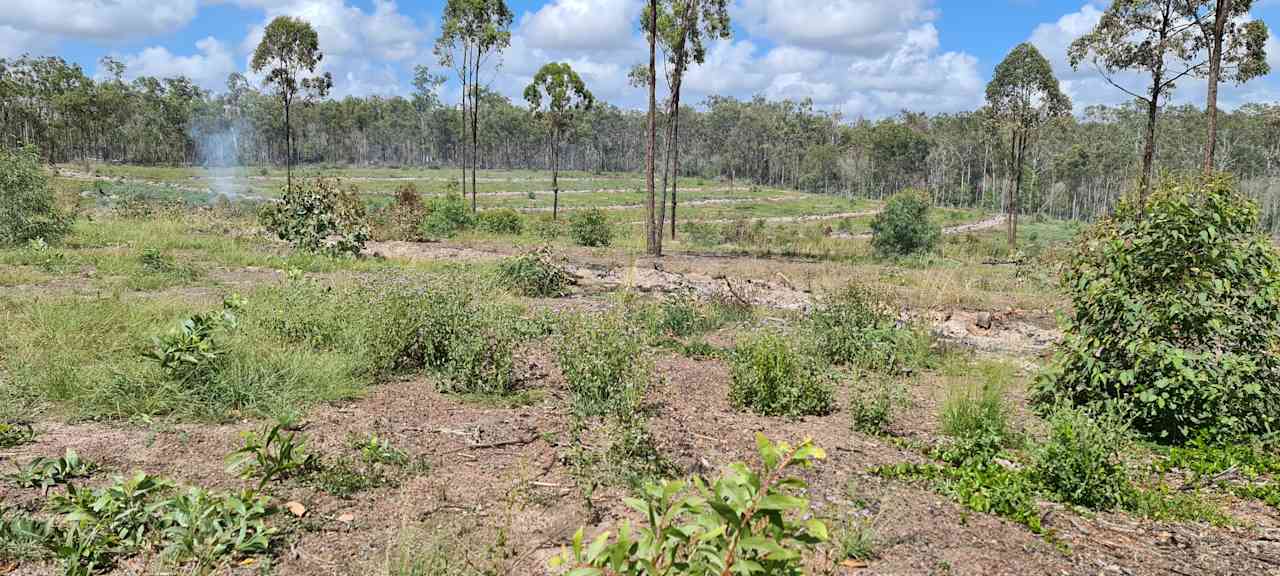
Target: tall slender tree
[[1148, 35], [682, 27], [653, 230], [1024, 96], [289, 53], [473, 30], [556, 94], [1237, 53]]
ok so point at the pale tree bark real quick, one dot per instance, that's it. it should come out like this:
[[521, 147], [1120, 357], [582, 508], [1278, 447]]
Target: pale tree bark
[[653, 240], [1215, 73]]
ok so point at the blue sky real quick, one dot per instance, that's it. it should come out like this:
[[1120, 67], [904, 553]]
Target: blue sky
[[862, 57]]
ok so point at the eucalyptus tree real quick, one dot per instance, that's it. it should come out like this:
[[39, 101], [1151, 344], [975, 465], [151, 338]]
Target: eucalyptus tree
[[426, 99], [682, 26], [1149, 35], [1237, 53], [556, 94], [1023, 95], [653, 229], [290, 53], [471, 31]]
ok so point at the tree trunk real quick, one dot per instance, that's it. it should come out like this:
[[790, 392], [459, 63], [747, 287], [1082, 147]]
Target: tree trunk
[[555, 174], [1149, 148], [1215, 72], [475, 127], [1020, 143], [288, 153], [653, 237]]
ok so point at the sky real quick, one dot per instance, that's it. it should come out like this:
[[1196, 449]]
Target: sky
[[863, 58]]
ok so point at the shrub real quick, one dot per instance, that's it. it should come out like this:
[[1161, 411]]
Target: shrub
[[534, 274], [772, 378], [903, 227], [748, 519], [501, 221], [590, 227], [851, 327], [548, 229], [1081, 462], [400, 220], [976, 417], [28, 209], [871, 405], [445, 216], [320, 217], [1176, 306], [602, 358]]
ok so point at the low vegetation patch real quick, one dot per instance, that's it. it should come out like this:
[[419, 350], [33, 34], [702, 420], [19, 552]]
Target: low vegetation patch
[[772, 377], [28, 207], [1082, 460], [755, 518], [590, 227], [445, 216], [852, 327], [500, 221], [535, 274]]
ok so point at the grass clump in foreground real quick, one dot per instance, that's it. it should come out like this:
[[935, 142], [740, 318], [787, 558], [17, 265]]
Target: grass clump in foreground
[[771, 377]]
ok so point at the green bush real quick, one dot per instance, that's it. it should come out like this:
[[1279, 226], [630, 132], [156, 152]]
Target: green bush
[[547, 229], [445, 216], [534, 274], [1176, 305], [320, 216], [501, 221], [904, 227], [28, 209], [1082, 461], [851, 327], [590, 228], [755, 521], [871, 404], [772, 378], [976, 417], [602, 358]]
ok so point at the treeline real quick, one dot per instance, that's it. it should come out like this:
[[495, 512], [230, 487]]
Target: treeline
[[1075, 169]]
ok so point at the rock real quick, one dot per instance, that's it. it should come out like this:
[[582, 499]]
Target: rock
[[983, 320]]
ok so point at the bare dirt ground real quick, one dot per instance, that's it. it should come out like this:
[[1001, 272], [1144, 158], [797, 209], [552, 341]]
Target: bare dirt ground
[[504, 467]]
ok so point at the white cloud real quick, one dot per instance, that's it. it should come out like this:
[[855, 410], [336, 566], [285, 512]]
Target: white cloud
[[581, 25], [15, 42], [865, 27], [98, 19], [208, 68]]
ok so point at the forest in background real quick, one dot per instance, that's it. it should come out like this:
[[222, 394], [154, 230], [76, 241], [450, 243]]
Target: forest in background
[[1075, 168]]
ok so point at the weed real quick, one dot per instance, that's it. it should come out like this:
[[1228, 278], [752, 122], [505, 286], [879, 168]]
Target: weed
[[320, 217], [745, 518], [345, 477], [208, 528], [871, 404], [590, 227], [603, 361], [28, 208], [852, 327], [22, 537], [903, 227], [188, 352], [14, 434], [44, 473], [534, 274], [856, 539], [773, 378], [445, 216], [1082, 460], [547, 229], [375, 450], [976, 418], [272, 454], [500, 221]]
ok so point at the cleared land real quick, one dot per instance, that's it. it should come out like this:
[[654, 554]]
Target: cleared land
[[488, 481]]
